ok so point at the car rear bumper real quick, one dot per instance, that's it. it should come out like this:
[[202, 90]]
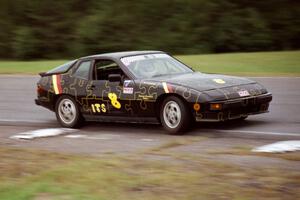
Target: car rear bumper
[[236, 108], [37, 102], [45, 104]]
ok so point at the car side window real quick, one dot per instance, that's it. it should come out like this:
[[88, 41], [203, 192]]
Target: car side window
[[83, 70], [103, 68]]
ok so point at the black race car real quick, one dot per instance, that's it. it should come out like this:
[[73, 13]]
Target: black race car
[[146, 86]]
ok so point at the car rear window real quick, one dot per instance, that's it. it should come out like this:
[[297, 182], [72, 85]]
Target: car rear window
[[62, 68]]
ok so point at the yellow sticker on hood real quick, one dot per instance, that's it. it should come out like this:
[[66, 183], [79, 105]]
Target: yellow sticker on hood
[[218, 80]]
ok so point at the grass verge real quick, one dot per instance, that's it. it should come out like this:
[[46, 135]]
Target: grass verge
[[40, 175], [28, 67], [286, 63], [247, 64]]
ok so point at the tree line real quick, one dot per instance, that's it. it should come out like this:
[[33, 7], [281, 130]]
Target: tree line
[[47, 29]]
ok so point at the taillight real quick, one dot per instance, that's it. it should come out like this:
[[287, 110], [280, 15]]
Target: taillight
[[39, 89]]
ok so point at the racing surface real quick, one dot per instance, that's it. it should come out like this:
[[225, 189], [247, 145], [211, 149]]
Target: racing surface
[[18, 113], [18, 93]]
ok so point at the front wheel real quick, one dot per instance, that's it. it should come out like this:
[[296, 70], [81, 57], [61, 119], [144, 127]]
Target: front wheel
[[175, 115], [67, 112], [243, 118]]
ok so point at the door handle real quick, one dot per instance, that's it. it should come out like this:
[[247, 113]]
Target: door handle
[[90, 87]]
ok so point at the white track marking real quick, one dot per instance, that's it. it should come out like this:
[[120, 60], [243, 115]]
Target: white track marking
[[255, 132], [279, 147], [75, 136], [23, 121], [97, 138], [274, 77], [147, 140], [49, 132]]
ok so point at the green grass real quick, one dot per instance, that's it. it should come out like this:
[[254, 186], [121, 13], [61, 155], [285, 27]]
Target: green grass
[[40, 175], [28, 67], [285, 63], [249, 64]]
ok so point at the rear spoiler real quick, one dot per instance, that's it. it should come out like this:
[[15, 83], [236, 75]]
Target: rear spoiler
[[43, 74]]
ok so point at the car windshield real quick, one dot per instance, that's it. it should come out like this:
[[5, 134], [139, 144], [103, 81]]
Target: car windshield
[[62, 68], [153, 65]]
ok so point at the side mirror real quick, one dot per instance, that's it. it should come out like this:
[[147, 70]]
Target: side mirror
[[114, 78]]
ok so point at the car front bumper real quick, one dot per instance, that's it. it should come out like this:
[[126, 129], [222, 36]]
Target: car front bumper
[[236, 108]]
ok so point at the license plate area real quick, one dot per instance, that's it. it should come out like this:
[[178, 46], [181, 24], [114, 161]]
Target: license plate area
[[243, 93]]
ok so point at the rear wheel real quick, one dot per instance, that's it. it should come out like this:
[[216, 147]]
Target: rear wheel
[[175, 115], [67, 112]]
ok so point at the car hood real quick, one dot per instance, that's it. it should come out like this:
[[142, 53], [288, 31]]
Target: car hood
[[202, 82]]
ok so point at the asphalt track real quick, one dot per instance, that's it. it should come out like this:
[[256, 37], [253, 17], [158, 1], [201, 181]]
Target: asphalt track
[[226, 144], [17, 108]]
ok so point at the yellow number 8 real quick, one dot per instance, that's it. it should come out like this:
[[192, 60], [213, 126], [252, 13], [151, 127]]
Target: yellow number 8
[[114, 101]]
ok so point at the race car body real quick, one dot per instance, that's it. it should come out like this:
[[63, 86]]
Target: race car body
[[146, 86]]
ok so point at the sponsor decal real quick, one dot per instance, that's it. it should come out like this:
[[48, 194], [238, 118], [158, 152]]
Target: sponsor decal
[[98, 108], [128, 90], [243, 93], [149, 83], [114, 100], [56, 84], [167, 87], [127, 83], [145, 97], [219, 81]]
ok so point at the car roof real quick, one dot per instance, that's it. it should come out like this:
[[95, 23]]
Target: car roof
[[119, 55]]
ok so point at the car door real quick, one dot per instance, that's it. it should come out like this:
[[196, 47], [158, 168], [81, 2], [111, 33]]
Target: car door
[[109, 92], [78, 82]]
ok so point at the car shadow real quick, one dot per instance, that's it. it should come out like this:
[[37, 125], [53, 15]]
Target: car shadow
[[198, 128], [234, 124], [121, 127]]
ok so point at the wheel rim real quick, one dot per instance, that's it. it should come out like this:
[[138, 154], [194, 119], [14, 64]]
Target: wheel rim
[[67, 111], [172, 114]]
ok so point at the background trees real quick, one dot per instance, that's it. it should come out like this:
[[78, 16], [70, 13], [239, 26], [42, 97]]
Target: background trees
[[70, 28]]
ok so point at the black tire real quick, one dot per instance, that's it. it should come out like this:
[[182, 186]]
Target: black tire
[[241, 118], [174, 123], [67, 103]]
